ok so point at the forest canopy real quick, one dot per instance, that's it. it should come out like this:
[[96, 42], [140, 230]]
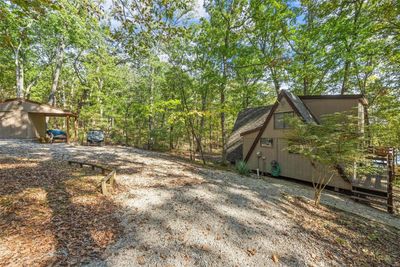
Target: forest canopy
[[174, 74]]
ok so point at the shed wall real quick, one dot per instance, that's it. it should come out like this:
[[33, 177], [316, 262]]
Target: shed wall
[[15, 124], [24, 120], [38, 123]]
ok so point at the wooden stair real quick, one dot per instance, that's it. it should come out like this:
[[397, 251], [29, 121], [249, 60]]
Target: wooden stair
[[377, 190]]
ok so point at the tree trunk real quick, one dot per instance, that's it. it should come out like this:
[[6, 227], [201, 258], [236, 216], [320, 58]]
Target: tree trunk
[[317, 196], [171, 137], [28, 89], [57, 72], [223, 130], [306, 81], [190, 139], [126, 132], [350, 46], [367, 125], [126, 126], [190, 121], [64, 97], [210, 136], [198, 142], [202, 121], [222, 92], [222, 115], [150, 120], [82, 100], [19, 72], [275, 80], [345, 77]]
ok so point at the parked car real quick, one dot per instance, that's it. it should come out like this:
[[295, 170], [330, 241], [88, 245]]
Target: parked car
[[95, 137], [56, 134]]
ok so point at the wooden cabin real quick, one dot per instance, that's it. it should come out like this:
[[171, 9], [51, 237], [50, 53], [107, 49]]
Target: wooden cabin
[[26, 119], [266, 142]]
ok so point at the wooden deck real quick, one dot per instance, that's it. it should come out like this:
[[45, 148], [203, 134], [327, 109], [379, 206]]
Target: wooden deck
[[377, 189], [379, 184]]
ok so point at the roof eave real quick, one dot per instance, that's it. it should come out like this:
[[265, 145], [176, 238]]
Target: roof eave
[[250, 131], [54, 114], [63, 113], [363, 100]]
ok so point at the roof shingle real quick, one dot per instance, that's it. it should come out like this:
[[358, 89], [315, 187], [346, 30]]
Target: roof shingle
[[247, 119]]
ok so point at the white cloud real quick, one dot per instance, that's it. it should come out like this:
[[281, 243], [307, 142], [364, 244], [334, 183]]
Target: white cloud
[[108, 5], [199, 11]]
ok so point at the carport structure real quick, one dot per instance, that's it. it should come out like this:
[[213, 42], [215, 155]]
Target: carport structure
[[26, 119]]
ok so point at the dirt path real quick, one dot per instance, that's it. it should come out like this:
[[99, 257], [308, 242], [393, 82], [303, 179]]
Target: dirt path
[[177, 214]]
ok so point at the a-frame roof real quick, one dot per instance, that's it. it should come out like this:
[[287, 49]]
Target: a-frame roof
[[298, 107], [248, 118]]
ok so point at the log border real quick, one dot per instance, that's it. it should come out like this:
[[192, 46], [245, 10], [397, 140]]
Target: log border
[[108, 179]]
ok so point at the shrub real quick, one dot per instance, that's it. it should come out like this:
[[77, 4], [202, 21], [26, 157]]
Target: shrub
[[242, 168], [335, 142]]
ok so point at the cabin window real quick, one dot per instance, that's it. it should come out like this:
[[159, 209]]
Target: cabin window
[[266, 142], [281, 120]]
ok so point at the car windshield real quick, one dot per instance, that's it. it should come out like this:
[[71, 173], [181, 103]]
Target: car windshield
[[96, 134]]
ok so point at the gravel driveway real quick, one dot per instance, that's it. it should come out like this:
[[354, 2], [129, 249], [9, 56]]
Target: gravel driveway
[[178, 214]]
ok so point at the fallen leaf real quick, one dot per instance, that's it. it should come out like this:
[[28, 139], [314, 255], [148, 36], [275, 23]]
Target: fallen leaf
[[275, 258], [251, 252], [141, 260], [205, 247]]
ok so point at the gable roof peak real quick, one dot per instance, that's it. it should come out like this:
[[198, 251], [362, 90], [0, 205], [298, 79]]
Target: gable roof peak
[[298, 106]]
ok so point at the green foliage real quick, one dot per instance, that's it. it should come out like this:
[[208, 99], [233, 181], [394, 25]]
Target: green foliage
[[241, 168], [385, 120], [150, 73], [336, 141]]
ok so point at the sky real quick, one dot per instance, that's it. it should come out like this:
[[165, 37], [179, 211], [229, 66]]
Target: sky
[[199, 11]]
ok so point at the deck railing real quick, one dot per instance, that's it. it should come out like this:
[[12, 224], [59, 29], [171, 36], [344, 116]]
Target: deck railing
[[378, 188]]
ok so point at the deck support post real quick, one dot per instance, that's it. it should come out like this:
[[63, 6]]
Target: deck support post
[[67, 129], [76, 129], [390, 205]]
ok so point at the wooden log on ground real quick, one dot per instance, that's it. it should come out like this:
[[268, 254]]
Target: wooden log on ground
[[92, 165], [108, 179]]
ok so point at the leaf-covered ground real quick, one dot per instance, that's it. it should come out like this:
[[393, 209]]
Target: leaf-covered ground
[[51, 213], [353, 240]]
